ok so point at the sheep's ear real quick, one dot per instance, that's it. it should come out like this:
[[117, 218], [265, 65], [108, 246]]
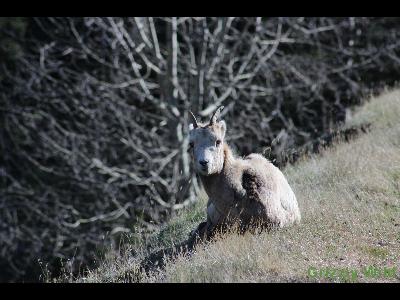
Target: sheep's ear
[[191, 126], [222, 125]]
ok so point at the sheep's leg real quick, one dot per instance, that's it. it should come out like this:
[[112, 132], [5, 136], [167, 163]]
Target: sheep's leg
[[205, 230], [213, 216]]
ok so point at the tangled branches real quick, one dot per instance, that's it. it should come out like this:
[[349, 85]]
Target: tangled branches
[[94, 114]]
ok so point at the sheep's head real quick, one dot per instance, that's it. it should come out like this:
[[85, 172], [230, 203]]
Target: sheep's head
[[206, 144]]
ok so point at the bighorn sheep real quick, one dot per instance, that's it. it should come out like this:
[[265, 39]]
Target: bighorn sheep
[[246, 191], [241, 190]]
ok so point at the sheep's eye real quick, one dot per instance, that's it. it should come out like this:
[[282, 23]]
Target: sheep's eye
[[218, 142]]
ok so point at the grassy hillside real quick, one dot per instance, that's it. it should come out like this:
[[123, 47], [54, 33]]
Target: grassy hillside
[[349, 197]]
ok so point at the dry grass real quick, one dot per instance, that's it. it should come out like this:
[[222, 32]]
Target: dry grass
[[349, 197]]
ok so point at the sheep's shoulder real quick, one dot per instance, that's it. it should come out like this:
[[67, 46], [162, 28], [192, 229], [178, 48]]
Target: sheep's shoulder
[[261, 172], [258, 178], [252, 184], [252, 178], [256, 191]]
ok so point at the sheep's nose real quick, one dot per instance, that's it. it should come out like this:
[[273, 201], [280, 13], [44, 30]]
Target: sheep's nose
[[203, 162]]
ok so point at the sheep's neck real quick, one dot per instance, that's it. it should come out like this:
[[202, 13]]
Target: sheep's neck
[[214, 181]]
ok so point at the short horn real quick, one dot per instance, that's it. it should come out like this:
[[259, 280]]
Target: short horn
[[216, 115], [195, 125]]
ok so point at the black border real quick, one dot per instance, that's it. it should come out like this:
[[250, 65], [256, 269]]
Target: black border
[[199, 8]]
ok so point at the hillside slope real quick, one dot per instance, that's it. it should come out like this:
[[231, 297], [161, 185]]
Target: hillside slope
[[349, 196]]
